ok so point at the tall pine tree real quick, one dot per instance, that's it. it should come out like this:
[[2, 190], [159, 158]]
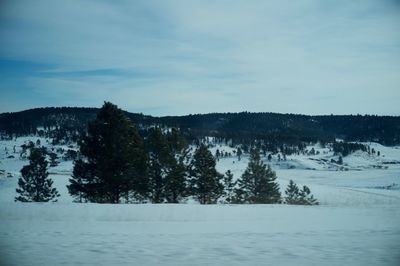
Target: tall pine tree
[[176, 179], [114, 163], [34, 185], [159, 159], [257, 184], [206, 181]]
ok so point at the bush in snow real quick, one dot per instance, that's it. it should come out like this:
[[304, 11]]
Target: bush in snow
[[295, 196]]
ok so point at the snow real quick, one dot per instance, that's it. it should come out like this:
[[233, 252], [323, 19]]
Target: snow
[[93, 234], [357, 223]]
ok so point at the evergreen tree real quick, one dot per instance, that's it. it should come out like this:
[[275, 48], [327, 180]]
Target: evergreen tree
[[206, 181], [34, 185], [239, 153], [175, 181], [306, 198], [292, 193], [53, 159], [159, 157], [84, 185], [257, 184], [167, 169], [114, 163], [229, 187], [296, 196], [176, 178], [217, 154]]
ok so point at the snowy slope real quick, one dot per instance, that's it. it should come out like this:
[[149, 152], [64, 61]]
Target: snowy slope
[[93, 234]]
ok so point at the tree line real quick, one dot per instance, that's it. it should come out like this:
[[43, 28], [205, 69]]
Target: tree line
[[274, 130], [116, 164]]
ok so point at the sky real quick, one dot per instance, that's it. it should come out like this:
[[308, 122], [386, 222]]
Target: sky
[[177, 57]]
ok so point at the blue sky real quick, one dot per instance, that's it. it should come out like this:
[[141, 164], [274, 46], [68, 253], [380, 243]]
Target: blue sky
[[179, 57]]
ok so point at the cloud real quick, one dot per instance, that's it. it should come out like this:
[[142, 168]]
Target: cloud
[[178, 57]]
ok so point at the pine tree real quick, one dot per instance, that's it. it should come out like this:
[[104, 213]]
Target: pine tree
[[217, 154], [257, 184], [114, 163], [34, 185], [292, 193], [306, 198], [159, 157], [53, 159], [295, 196], [239, 153], [229, 187], [175, 181], [206, 181], [84, 185], [176, 178]]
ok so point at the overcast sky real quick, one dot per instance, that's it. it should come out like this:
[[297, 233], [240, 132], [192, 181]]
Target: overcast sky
[[180, 57]]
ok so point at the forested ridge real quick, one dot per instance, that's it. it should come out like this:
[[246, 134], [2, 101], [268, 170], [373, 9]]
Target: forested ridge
[[244, 127]]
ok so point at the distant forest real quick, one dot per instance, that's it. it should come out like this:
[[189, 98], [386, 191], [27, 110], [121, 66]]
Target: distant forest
[[271, 129]]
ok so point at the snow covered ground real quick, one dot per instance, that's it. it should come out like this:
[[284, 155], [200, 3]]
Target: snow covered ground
[[357, 223]]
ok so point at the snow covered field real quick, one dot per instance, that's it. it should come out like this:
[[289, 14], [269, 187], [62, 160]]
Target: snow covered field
[[357, 223]]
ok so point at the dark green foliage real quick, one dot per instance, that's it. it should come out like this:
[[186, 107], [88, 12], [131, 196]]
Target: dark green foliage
[[306, 198], [229, 187], [167, 171], [65, 124], [294, 196], [239, 153], [340, 160], [292, 193], [218, 154], [114, 162], [345, 148], [175, 181], [34, 185], [206, 183], [84, 186], [257, 184], [70, 155], [159, 157], [53, 159], [177, 170]]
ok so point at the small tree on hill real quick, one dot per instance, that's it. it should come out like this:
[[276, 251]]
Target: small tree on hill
[[34, 185], [239, 153]]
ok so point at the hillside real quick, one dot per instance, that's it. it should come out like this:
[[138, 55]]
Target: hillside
[[245, 127]]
